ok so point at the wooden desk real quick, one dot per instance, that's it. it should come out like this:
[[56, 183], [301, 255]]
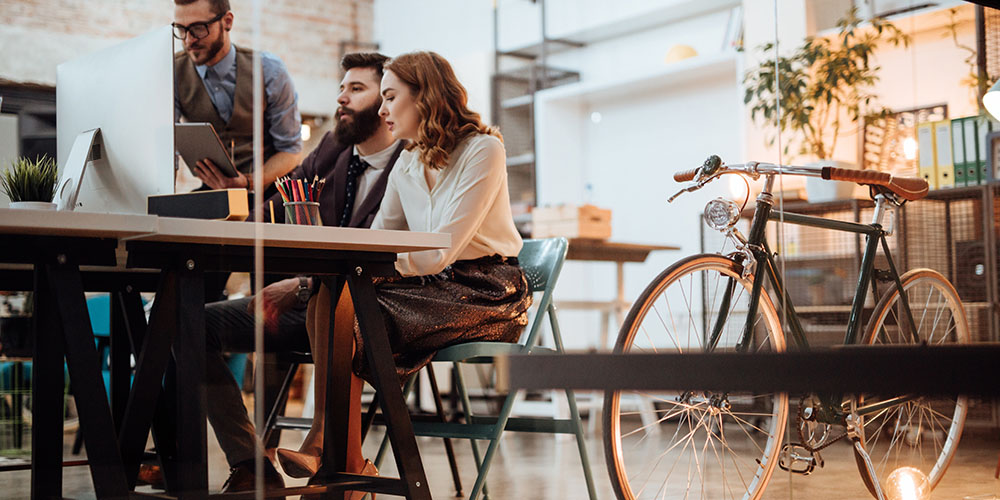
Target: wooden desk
[[171, 348], [608, 251]]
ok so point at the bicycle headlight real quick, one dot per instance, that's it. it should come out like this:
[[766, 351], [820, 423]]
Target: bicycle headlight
[[721, 214]]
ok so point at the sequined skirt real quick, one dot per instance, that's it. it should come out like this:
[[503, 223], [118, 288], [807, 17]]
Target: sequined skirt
[[470, 301]]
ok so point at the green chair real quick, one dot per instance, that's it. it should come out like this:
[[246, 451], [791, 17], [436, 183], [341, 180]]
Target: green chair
[[542, 261]]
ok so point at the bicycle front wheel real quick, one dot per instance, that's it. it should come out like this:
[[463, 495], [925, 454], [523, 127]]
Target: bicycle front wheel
[[922, 432], [694, 444]]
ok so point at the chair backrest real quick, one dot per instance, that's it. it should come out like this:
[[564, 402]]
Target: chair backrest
[[99, 307], [542, 262]]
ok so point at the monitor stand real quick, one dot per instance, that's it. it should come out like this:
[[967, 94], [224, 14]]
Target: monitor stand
[[87, 147]]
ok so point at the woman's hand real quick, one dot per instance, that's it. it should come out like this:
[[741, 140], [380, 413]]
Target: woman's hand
[[275, 298]]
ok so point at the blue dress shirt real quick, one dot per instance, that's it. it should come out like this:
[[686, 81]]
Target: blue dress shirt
[[281, 116]]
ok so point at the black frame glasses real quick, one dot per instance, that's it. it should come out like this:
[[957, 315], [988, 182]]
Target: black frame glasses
[[197, 30]]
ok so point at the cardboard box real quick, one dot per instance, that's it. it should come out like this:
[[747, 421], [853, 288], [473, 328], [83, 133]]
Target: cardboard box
[[571, 221]]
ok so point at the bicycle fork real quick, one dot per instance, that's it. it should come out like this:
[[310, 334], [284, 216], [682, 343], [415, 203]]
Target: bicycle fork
[[855, 431]]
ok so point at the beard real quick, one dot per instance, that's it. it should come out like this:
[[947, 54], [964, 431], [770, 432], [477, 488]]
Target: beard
[[362, 126], [212, 50]]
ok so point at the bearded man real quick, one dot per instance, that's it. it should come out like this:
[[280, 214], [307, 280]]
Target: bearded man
[[355, 160], [213, 83]]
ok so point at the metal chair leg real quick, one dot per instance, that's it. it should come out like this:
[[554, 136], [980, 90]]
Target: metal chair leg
[[448, 448], [574, 412]]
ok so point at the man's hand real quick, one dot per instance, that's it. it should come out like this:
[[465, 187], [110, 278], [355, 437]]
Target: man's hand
[[214, 178], [276, 298]]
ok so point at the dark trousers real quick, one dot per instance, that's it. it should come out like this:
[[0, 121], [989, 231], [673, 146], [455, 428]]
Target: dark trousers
[[229, 328]]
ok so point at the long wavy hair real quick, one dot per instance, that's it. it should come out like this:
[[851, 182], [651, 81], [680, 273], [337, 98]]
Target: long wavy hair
[[444, 118]]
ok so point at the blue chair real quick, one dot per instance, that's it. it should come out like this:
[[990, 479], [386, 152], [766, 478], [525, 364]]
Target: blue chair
[[542, 262]]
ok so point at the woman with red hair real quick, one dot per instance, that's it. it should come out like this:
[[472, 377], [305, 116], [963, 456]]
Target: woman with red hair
[[452, 179]]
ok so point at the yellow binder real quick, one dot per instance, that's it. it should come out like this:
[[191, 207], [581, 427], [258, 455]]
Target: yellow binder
[[945, 166]]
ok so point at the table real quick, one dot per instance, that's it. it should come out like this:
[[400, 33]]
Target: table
[[608, 251], [65, 249]]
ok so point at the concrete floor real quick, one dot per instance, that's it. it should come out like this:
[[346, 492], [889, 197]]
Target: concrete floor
[[532, 466]]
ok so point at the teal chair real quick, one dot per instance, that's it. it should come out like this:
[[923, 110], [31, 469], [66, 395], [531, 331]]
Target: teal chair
[[542, 261]]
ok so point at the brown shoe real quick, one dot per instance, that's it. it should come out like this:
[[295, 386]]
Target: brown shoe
[[368, 470], [241, 478], [152, 475]]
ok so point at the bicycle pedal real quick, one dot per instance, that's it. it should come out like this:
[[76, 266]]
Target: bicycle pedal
[[797, 459]]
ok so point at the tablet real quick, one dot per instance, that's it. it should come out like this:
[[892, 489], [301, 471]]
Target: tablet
[[197, 141]]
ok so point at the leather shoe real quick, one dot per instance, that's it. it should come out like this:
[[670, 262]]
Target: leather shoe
[[242, 478], [368, 470], [297, 463], [152, 475]]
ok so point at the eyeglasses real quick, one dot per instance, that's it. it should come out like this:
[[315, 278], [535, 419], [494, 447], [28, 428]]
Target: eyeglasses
[[197, 30]]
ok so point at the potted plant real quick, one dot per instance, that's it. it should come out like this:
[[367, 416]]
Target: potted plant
[[31, 183], [824, 85]]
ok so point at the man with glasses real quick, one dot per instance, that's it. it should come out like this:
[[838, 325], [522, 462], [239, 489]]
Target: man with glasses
[[213, 82]]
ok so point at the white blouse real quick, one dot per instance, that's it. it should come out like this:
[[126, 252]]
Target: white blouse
[[470, 201]]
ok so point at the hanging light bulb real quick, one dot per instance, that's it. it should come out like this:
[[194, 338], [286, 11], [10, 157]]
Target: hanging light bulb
[[907, 483], [991, 101], [910, 149]]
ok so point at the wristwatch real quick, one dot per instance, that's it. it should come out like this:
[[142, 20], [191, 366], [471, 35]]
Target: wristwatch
[[304, 291]]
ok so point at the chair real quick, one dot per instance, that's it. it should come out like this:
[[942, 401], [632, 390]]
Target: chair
[[542, 261]]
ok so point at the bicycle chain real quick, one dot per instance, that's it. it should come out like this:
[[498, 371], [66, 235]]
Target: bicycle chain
[[802, 437]]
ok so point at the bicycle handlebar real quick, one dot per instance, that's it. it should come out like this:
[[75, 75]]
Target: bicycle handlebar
[[908, 188]]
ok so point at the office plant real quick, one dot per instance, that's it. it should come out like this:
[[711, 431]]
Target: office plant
[[825, 84], [30, 180]]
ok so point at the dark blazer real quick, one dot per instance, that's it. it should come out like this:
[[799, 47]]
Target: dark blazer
[[329, 161]]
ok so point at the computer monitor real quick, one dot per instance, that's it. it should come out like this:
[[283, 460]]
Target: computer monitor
[[126, 91]]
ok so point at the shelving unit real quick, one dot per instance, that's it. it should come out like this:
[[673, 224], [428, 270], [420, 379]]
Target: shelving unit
[[517, 76], [951, 231]]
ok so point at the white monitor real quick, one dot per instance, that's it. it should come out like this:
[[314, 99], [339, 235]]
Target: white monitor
[[127, 91]]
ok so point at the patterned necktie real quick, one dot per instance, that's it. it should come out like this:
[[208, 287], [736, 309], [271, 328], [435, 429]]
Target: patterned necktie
[[354, 170]]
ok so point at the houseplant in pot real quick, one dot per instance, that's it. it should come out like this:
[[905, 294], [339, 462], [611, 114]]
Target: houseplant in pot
[[825, 86], [31, 183]]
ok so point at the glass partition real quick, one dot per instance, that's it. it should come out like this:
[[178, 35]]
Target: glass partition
[[649, 134]]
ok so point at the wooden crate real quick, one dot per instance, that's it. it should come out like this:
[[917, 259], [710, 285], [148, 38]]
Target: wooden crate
[[571, 221]]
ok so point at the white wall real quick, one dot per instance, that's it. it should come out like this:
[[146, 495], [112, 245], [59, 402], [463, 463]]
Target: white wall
[[656, 118], [9, 147], [460, 30]]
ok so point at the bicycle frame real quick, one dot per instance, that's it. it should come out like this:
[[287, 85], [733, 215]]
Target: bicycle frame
[[767, 270]]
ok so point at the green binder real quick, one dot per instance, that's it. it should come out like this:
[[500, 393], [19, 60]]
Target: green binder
[[984, 125], [958, 151], [971, 150]]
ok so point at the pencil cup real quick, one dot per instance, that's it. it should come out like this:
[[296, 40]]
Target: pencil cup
[[302, 212]]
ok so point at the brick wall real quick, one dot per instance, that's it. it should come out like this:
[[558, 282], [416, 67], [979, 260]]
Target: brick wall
[[37, 35]]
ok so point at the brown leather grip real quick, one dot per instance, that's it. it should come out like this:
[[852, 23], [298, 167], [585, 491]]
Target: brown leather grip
[[686, 175], [860, 176], [909, 188]]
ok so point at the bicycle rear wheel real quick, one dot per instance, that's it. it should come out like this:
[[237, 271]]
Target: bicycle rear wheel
[[924, 431], [694, 444]]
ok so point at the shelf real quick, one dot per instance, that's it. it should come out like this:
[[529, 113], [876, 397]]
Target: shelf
[[556, 76], [520, 101], [822, 309], [533, 51], [520, 160], [928, 16], [635, 23], [698, 68]]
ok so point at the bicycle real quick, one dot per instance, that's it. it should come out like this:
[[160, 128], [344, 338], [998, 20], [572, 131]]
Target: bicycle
[[728, 445]]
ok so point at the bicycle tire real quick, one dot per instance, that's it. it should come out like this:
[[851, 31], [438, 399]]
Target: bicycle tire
[[940, 420], [749, 440]]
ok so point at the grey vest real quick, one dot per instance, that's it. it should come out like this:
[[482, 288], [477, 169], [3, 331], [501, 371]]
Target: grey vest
[[196, 106]]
